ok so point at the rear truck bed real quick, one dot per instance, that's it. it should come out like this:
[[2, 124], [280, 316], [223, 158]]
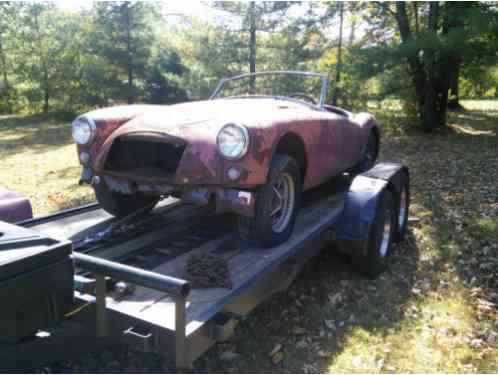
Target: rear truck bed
[[154, 308]]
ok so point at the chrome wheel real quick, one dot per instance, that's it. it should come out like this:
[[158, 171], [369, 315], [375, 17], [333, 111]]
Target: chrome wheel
[[386, 234], [402, 210], [283, 201]]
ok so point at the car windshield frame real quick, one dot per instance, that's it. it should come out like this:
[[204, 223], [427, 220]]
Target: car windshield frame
[[323, 91]]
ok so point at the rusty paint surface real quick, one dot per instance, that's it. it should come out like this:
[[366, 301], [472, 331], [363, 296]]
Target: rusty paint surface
[[332, 143]]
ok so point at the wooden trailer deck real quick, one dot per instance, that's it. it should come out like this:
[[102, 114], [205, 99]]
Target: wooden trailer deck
[[246, 265]]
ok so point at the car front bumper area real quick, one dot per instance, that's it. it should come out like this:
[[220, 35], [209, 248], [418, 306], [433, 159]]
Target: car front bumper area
[[226, 200]]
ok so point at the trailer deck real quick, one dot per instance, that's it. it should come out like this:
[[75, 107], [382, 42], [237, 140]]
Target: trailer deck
[[163, 312]]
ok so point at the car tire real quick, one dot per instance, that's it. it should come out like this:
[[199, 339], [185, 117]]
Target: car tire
[[402, 208], [369, 155], [277, 205], [121, 205], [374, 259]]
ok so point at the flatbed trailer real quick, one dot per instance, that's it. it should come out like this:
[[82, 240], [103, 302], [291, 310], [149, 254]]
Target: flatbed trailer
[[132, 287]]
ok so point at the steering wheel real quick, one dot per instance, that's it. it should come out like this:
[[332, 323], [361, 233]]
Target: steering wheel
[[302, 95]]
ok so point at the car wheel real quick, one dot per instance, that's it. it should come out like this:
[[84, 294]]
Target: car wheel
[[380, 238], [121, 205], [402, 207], [277, 204], [369, 156]]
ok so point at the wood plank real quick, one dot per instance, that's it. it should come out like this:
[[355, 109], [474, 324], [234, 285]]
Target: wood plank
[[246, 266], [179, 222]]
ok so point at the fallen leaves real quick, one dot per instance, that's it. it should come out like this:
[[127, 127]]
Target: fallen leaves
[[434, 310]]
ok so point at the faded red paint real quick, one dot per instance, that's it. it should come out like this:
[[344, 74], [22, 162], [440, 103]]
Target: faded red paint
[[332, 143], [14, 207]]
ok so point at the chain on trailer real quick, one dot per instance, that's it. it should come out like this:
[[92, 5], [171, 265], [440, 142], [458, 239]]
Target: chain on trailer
[[118, 228], [203, 270]]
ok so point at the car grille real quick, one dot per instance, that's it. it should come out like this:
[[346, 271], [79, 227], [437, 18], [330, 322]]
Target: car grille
[[141, 158]]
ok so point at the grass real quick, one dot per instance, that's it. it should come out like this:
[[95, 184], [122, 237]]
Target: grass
[[39, 160], [434, 310]]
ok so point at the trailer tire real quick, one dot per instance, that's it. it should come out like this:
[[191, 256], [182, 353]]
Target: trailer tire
[[120, 205], [374, 259], [402, 208], [267, 230]]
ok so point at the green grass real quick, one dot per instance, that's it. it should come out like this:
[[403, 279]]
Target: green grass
[[434, 310]]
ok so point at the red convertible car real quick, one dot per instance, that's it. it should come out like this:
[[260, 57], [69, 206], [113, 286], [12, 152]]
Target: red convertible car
[[252, 149]]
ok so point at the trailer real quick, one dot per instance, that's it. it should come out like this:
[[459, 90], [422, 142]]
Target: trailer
[[78, 279]]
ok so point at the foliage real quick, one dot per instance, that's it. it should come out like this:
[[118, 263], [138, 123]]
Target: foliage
[[433, 42], [162, 84], [114, 52]]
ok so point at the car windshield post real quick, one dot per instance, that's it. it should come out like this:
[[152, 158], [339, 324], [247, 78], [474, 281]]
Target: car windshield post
[[322, 77]]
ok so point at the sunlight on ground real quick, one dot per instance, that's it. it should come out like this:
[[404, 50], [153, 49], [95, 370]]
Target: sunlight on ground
[[434, 310], [40, 161], [434, 336], [471, 131]]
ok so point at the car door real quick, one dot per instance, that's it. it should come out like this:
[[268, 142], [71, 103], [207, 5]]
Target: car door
[[323, 134], [351, 143]]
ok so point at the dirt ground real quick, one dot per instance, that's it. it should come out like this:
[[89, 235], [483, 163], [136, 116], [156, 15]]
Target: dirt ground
[[434, 310]]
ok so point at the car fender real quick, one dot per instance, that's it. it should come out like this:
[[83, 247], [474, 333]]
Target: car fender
[[367, 123]]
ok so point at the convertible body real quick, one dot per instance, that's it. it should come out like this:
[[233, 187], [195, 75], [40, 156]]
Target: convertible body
[[169, 148], [174, 150]]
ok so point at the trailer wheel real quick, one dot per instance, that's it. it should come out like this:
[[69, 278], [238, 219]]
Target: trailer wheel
[[121, 205], [277, 204], [379, 242], [402, 207]]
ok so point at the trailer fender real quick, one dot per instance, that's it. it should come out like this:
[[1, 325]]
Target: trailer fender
[[398, 177], [394, 173], [359, 211], [361, 203]]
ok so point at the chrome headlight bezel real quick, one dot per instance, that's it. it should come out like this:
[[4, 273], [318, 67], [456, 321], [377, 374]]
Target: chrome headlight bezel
[[243, 132], [91, 130]]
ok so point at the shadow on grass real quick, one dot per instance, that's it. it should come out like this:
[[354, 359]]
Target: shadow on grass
[[454, 176], [327, 301]]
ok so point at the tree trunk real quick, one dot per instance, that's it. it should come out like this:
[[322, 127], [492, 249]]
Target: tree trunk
[[454, 99], [46, 93], [131, 96], [45, 85], [430, 77], [252, 45], [454, 19], [339, 56], [6, 84]]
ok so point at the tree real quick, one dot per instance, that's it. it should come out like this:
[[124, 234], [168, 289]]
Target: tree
[[7, 20], [430, 42], [255, 17], [339, 53], [42, 46], [124, 37], [162, 84]]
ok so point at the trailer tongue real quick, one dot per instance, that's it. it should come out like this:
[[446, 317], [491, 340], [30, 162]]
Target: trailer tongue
[[134, 282]]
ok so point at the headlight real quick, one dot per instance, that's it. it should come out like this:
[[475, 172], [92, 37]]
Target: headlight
[[233, 141], [83, 130]]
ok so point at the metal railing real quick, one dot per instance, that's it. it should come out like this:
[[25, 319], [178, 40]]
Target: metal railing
[[177, 288]]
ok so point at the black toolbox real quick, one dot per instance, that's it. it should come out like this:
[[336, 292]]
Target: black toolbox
[[36, 282]]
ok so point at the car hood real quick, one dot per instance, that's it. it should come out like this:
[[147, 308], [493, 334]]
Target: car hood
[[198, 123], [206, 116]]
